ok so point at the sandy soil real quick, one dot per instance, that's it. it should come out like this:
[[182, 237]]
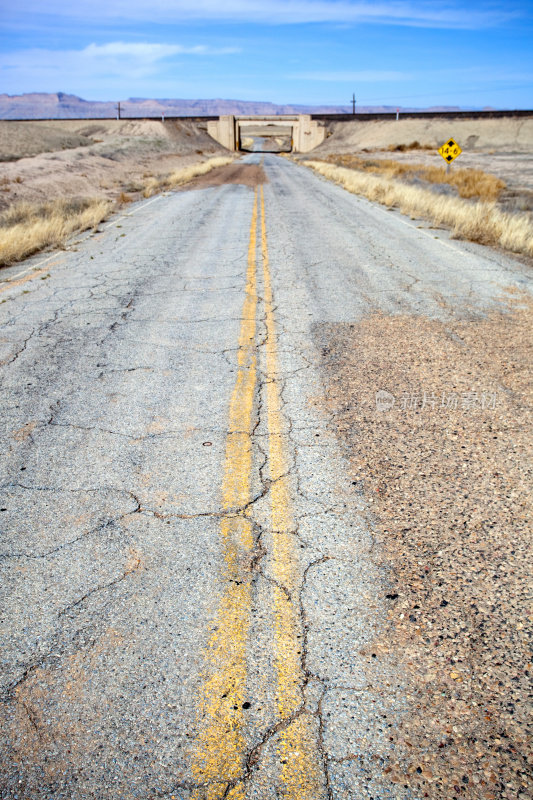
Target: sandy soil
[[245, 174], [446, 464], [93, 158]]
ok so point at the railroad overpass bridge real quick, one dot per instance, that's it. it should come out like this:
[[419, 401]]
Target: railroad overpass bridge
[[305, 133]]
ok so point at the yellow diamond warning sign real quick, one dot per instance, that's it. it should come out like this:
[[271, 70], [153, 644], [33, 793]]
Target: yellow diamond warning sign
[[450, 150]]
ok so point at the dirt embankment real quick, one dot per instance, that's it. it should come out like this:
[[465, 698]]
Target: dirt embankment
[[24, 140], [435, 419], [509, 134], [42, 161]]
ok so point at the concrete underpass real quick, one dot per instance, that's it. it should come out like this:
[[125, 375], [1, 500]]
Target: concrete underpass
[[299, 134]]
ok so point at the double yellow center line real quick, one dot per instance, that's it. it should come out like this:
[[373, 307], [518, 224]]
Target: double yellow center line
[[219, 764]]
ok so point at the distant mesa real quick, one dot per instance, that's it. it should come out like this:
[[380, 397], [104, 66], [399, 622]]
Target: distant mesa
[[58, 105]]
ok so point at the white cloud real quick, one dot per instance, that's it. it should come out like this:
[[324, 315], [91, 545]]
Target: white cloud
[[107, 66], [102, 58], [146, 52], [407, 12]]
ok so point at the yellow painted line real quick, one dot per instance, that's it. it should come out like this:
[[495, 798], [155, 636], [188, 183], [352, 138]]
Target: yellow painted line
[[301, 772], [220, 748]]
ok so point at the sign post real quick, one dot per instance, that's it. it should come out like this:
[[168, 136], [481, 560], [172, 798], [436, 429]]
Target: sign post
[[449, 151]]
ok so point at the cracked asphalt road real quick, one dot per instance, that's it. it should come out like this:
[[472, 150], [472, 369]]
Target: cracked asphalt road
[[188, 578]]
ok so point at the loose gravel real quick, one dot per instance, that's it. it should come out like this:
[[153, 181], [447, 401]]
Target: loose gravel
[[435, 418]]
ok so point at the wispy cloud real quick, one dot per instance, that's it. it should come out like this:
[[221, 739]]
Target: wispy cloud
[[451, 14], [111, 64], [146, 52], [348, 76]]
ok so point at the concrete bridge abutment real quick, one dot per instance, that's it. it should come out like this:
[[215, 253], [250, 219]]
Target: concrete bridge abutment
[[306, 132], [223, 131]]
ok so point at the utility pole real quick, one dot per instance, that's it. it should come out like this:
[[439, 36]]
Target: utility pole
[[353, 104], [118, 110]]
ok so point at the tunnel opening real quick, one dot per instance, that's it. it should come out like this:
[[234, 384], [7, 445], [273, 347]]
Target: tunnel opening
[[265, 138]]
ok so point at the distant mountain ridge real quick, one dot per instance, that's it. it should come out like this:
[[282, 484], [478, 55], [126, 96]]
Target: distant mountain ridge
[[40, 105]]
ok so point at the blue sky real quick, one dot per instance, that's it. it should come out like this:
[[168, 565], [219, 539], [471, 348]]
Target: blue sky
[[469, 54]]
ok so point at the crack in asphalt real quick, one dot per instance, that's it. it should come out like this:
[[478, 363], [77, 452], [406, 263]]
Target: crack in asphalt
[[127, 572], [58, 643], [108, 523], [19, 352]]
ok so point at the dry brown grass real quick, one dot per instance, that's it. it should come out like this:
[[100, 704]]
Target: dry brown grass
[[480, 222], [470, 183], [181, 176], [26, 228]]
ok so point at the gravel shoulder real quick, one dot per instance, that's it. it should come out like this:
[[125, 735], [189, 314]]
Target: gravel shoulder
[[436, 420]]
